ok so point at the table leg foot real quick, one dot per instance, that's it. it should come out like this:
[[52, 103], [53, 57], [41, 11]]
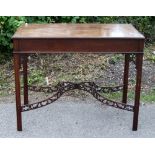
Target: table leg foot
[[19, 121], [135, 126]]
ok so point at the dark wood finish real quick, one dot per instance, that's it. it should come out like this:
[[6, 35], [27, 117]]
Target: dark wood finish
[[125, 80], [47, 38], [17, 87], [25, 60], [94, 38], [78, 45], [77, 31], [139, 60]]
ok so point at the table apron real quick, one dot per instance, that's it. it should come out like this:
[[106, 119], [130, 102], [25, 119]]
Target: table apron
[[78, 45]]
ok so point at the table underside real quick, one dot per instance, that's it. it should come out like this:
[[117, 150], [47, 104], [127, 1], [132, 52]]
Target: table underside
[[63, 87], [48, 46]]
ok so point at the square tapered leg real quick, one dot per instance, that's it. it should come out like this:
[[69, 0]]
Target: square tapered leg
[[139, 60], [17, 88]]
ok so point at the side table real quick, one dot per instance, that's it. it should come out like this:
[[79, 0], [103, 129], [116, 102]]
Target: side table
[[83, 38]]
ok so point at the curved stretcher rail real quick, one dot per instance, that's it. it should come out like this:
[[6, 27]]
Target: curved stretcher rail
[[89, 87]]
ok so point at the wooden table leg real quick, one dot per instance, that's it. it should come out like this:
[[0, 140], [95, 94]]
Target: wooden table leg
[[25, 60], [125, 80], [17, 87], [139, 61]]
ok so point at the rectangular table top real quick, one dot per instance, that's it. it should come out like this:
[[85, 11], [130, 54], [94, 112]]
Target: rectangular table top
[[49, 38], [122, 31]]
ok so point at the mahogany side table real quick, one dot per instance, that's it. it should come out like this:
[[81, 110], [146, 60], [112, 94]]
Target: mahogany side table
[[90, 38]]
